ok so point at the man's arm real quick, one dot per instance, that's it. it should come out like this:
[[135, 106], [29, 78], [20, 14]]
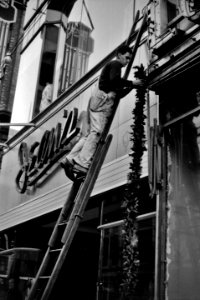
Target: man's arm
[[115, 77], [136, 84]]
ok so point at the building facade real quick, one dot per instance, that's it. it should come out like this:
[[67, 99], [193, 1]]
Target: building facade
[[168, 212], [11, 23]]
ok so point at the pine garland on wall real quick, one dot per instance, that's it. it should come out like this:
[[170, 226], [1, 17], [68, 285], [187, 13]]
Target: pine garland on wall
[[132, 195]]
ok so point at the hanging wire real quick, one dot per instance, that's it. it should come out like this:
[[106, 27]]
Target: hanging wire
[[88, 14], [81, 14]]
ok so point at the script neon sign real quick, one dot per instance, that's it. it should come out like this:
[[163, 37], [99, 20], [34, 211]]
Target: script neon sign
[[38, 161]]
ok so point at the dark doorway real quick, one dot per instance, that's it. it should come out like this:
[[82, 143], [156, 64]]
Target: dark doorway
[[79, 274]]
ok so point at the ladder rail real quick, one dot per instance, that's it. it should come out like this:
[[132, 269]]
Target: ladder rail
[[89, 183], [65, 211], [136, 45], [128, 68], [52, 240]]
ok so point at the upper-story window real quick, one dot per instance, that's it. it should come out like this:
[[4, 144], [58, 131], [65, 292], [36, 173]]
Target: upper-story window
[[172, 9], [78, 47]]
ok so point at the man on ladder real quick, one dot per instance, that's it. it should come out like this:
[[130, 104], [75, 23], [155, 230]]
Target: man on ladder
[[111, 86], [101, 110]]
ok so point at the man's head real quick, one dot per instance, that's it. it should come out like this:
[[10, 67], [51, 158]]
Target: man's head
[[124, 55]]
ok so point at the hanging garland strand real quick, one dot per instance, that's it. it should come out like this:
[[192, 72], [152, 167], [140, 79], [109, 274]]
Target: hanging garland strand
[[132, 195]]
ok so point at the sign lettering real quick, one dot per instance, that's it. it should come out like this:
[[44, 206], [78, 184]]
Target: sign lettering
[[44, 155]]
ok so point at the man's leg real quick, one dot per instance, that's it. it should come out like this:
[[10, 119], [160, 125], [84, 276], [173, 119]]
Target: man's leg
[[67, 163], [100, 109], [98, 120], [76, 149]]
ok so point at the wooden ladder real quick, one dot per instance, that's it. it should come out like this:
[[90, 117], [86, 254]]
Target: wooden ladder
[[66, 227]]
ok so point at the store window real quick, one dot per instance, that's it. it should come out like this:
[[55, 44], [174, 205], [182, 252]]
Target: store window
[[110, 256]]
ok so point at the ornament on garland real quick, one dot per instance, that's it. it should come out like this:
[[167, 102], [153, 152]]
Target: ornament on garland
[[132, 195]]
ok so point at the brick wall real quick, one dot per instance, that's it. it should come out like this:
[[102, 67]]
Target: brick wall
[[8, 82]]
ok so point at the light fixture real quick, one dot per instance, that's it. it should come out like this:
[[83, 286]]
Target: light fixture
[[5, 62], [7, 58]]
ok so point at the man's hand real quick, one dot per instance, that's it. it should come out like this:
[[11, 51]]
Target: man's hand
[[111, 95], [139, 83]]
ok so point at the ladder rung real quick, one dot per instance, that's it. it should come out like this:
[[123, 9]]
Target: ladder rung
[[62, 223], [55, 250], [44, 277]]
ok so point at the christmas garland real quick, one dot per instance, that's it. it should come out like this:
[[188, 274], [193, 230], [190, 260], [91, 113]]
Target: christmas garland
[[132, 195]]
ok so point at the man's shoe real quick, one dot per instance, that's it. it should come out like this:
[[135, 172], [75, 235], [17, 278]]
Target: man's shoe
[[79, 169], [80, 176], [68, 168]]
